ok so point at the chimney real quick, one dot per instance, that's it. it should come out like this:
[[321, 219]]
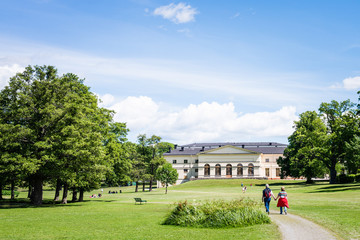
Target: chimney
[[175, 146], [243, 146], [182, 149], [202, 148]]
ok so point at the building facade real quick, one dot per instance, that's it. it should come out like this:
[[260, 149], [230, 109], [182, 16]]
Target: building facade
[[226, 160]]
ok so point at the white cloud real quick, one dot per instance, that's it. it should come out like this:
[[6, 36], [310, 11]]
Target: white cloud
[[7, 71], [106, 99], [351, 83], [177, 13], [203, 122]]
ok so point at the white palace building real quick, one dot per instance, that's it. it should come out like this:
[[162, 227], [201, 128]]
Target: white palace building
[[226, 160]]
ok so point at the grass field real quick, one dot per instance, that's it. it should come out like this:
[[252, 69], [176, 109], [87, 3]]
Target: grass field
[[115, 216]]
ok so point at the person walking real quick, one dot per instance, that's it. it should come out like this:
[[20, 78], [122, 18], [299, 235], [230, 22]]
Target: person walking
[[266, 197], [283, 202]]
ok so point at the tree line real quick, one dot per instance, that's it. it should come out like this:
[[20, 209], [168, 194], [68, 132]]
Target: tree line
[[52, 131], [326, 141]]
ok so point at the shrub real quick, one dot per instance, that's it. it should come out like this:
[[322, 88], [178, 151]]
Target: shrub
[[217, 214], [343, 178], [357, 177], [8, 192], [351, 178]]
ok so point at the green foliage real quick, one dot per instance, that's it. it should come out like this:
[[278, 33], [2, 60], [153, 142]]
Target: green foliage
[[342, 125], [51, 129], [8, 192], [306, 150], [166, 174], [217, 214], [357, 177], [343, 178]]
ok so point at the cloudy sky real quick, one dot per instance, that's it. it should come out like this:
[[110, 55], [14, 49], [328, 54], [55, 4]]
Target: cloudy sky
[[194, 71]]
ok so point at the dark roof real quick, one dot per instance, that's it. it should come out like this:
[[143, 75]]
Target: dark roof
[[260, 147]]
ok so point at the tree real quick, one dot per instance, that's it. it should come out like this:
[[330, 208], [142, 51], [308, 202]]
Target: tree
[[341, 124], [118, 152], [151, 156], [306, 151], [166, 174], [65, 126]]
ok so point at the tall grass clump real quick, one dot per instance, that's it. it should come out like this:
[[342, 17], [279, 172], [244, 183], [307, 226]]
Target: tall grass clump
[[217, 214]]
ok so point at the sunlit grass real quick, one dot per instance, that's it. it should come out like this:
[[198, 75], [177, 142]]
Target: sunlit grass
[[115, 216]]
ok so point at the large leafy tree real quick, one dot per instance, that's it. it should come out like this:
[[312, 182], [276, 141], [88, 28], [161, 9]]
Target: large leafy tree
[[342, 125], [64, 126], [119, 152], [307, 151], [151, 154], [167, 175]]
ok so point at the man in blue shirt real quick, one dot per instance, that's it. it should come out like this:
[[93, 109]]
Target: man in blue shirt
[[266, 198]]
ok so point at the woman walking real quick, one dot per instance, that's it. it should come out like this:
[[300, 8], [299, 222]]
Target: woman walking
[[283, 202]]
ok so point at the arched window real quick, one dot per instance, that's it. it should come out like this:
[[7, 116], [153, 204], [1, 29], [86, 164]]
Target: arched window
[[229, 170], [207, 170], [251, 169], [239, 169], [217, 170]]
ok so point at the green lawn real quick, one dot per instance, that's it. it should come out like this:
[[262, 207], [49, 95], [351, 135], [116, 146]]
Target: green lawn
[[115, 216]]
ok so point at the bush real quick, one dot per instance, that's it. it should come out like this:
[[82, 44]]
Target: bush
[[343, 178], [217, 214], [8, 192], [357, 177]]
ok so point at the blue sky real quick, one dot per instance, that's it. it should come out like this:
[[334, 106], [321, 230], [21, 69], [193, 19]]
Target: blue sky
[[194, 71]]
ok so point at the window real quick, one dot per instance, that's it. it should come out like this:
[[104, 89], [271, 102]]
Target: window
[[197, 161], [229, 170], [278, 172], [239, 169], [185, 161], [267, 160], [217, 170], [174, 161], [207, 170], [267, 172], [186, 170], [251, 170], [196, 170]]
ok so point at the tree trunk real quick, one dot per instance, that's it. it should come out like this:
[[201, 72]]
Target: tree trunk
[[150, 187], [57, 190], [31, 190], [332, 175], [1, 188], [36, 195], [137, 187], [81, 195], [309, 181], [65, 193], [166, 189], [144, 186], [74, 195], [12, 190]]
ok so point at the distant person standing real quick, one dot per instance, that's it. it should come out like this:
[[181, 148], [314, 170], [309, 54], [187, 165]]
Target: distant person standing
[[283, 202], [244, 189], [266, 197]]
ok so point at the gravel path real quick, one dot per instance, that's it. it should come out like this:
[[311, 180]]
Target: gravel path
[[293, 227]]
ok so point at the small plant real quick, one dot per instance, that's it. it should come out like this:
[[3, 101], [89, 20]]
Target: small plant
[[217, 214]]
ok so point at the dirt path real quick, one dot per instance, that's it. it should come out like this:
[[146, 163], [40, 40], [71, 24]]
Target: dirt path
[[293, 227]]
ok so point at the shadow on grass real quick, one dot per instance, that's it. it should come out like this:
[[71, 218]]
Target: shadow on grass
[[25, 203], [296, 183], [338, 188]]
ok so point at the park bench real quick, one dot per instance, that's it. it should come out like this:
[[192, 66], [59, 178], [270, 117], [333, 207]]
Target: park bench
[[139, 200]]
